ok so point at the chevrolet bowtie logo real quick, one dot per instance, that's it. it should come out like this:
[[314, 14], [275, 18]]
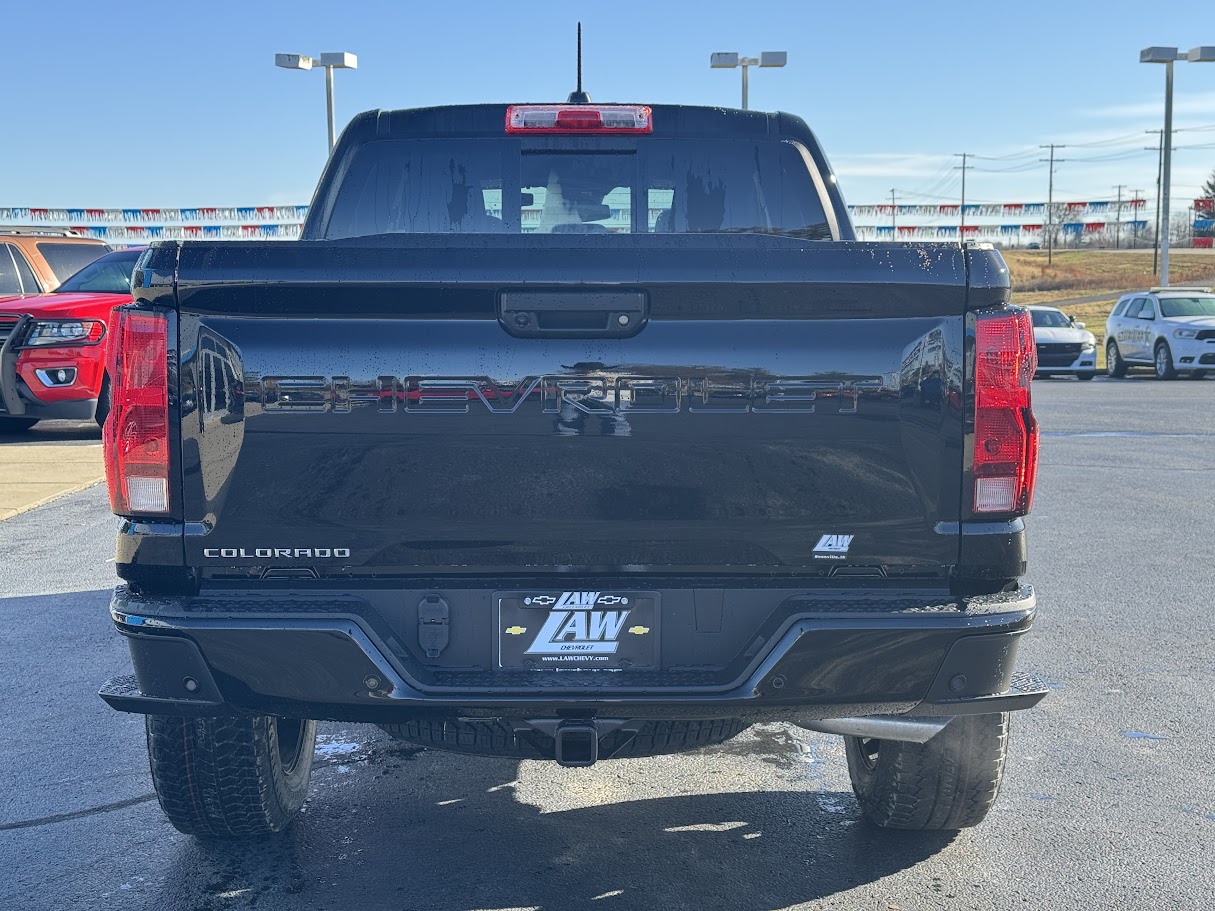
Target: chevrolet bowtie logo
[[639, 630], [516, 630]]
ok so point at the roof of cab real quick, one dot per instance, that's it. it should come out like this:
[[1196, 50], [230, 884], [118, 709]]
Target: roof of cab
[[490, 120]]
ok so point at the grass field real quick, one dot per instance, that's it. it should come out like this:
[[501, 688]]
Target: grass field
[[1094, 270], [1086, 273]]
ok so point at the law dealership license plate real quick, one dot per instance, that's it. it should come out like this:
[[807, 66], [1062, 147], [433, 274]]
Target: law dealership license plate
[[584, 630]]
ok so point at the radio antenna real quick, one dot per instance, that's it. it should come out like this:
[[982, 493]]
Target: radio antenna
[[579, 97]]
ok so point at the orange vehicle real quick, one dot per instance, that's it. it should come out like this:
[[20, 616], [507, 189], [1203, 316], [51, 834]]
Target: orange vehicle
[[35, 260]]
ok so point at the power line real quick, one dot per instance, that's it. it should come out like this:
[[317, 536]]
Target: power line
[[1114, 156], [1009, 157], [1111, 141], [1013, 169]]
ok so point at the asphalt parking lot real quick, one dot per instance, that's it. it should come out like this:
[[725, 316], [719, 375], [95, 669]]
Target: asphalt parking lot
[[1109, 800]]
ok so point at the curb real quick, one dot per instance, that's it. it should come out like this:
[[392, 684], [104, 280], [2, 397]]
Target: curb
[[8, 513]]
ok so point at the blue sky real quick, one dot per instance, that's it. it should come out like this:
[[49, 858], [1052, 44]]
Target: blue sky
[[179, 103]]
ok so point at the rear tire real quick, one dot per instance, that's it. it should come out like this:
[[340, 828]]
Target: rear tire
[[1198, 374], [1163, 362], [16, 425], [103, 402], [1115, 366], [230, 777], [950, 782], [1085, 376]]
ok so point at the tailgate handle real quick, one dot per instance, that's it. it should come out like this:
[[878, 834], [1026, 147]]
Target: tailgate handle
[[573, 314]]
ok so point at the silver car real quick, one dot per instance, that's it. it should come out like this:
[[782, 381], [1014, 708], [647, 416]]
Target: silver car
[[1065, 347], [1171, 330]]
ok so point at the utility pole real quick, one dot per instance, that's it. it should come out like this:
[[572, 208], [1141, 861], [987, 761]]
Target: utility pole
[[1118, 230], [1135, 195], [962, 210], [1050, 201], [1156, 223]]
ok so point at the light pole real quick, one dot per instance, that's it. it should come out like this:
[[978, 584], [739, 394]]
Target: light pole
[[1167, 55], [331, 62], [724, 61]]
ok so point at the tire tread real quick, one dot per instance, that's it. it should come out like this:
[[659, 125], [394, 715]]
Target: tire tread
[[950, 782], [221, 777]]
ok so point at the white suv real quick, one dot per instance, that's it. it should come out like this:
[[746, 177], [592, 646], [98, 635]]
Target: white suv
[[1171, 330]]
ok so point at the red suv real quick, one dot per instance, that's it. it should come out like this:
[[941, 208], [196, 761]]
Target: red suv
[[52, 346]]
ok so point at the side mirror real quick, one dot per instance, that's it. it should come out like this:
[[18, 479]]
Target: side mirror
[[1077, 325]]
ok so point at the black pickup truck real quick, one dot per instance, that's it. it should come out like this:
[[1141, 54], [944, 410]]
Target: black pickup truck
[[572, 432]]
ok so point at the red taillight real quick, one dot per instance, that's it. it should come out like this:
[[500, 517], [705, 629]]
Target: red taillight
[[137, 428], [579, 118], [1006, 434]]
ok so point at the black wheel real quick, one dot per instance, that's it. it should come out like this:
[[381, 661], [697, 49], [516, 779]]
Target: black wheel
[[230, 777], [1114, 364], [16, 425], [1163, 362], [492, 737], [1086, 376], [950, 782], [103, 402]]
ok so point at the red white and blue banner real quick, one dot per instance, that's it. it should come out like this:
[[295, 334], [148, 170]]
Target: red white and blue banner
[[1003, 209], [953, 232], [153, 216], [1018, 219], [132, 234]]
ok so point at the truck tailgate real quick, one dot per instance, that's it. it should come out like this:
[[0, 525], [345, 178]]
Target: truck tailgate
[[378, 407]]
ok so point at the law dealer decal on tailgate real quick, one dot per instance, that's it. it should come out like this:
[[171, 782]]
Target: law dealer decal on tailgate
[[576, 624]]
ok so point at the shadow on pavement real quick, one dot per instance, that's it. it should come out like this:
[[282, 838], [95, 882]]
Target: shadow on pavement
[[748, 851], [55, 432]]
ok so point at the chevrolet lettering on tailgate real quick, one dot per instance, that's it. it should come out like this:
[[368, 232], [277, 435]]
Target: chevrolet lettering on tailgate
[[730, 393]]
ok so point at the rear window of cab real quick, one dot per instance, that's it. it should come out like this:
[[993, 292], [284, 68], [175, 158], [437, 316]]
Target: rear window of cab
[[650, 186]]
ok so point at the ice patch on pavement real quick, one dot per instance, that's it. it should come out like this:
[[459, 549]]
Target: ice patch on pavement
[[329, 746], [707, 827]]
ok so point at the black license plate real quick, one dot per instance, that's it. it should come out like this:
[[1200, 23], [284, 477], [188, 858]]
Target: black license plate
[[577, 630]]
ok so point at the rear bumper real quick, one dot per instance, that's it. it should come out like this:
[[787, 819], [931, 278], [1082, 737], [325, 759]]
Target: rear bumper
[[826, 657]]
